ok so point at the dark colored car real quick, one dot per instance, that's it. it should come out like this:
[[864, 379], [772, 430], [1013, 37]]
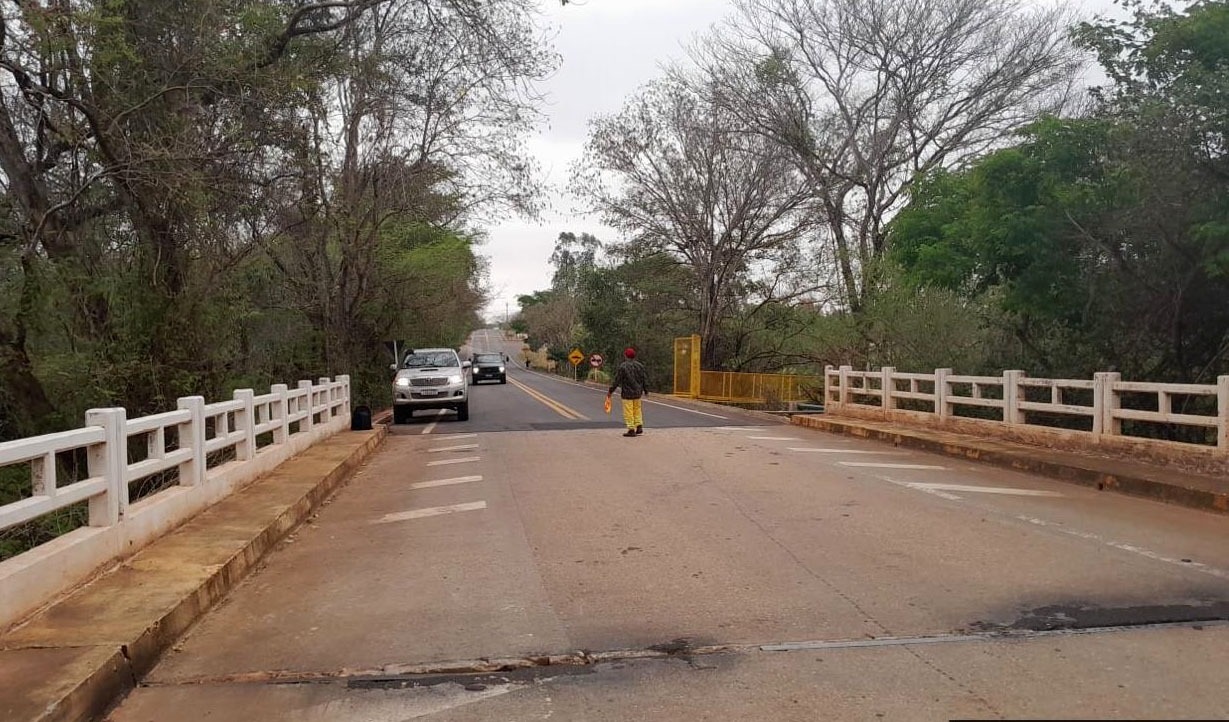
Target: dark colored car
[[488, 367]]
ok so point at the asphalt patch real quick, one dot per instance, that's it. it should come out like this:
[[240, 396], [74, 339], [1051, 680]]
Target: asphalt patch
[[1077, 616]]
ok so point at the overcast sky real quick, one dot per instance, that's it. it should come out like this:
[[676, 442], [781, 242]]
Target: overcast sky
[[609, 48]]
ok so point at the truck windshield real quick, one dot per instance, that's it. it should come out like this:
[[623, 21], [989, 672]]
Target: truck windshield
[[424, 360], [488, 358]]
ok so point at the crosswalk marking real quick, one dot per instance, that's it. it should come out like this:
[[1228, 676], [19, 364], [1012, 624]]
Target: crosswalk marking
[[445, 482], [430, 511]]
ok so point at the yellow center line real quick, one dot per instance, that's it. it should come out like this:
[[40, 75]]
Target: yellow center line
[[550, 403]]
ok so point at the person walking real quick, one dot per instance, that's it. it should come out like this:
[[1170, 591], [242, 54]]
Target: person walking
[[632, 380]]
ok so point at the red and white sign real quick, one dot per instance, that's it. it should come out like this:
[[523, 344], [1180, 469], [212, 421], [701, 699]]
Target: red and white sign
[[596, 360]]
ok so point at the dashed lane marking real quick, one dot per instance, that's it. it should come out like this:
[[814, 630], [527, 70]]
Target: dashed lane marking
[[875, 465], [982, 489], [445, 482], [430, 511], [910, 485], [846, 451], [772, 438], [464, 460], [460, 447]]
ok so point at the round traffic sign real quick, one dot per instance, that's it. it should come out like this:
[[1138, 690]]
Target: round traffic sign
[[596, 360]]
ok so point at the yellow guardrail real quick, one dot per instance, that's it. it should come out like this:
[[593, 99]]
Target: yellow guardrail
[[735, 387]]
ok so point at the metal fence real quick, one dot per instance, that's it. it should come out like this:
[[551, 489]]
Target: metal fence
[[733, 386]]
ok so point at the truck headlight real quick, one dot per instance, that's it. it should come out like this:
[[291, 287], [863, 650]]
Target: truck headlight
[[456, 379], [501, 369], [403, 382]]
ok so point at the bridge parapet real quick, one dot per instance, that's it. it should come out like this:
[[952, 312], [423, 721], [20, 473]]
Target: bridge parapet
[[197, 455], [1185, 424]]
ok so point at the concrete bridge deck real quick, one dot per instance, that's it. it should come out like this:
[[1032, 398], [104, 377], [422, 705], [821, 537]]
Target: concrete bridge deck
[[532, 563]]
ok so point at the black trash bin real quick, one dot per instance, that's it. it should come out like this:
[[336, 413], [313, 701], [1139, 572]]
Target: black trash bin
[[360, 419]]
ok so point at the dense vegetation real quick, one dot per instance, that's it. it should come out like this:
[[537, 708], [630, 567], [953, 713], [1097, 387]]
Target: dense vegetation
[[916, 184], [204, 195]]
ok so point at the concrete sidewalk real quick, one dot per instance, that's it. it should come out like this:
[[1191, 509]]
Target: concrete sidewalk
[[73, 659], [1198, 491]]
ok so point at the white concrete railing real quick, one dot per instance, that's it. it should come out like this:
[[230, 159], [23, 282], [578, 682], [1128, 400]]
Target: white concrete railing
[[204, 435], [880, 393]]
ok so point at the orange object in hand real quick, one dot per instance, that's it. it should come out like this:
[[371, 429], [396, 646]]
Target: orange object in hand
[[608, 404]]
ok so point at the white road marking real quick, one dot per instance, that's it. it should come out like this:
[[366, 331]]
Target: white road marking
[[450, 437], [430, 511], [845, 451], [464, 460], [445, 482], [461, 447], [932, 492], [874, 465], [772, 438], [983, 489], [735, 428], [1131, 548], [690, 411]]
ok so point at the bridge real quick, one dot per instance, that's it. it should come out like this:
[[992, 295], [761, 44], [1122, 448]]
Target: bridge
[[919, 551]]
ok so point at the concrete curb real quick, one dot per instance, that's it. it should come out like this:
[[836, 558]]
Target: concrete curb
[[1087, 471], [75, 680]]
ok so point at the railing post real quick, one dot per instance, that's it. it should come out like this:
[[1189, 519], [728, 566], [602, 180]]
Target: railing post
[[192, 436], [942, 408], [887, 386], [1222, 417], [323, 389], [828, 369], [844, 390], [307, 422], [1011, 397], [345, 395], [1107, 399], [1100, 382], [281, 412], [109, 460], [245, 421]]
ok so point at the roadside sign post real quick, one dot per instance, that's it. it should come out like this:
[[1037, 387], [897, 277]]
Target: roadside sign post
[[575, 357], [595, 361]]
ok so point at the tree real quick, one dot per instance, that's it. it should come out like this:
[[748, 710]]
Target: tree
[[675, 173], [867, 95]]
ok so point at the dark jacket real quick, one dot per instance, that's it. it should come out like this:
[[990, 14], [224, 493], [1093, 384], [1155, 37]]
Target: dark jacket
[[633, 379]]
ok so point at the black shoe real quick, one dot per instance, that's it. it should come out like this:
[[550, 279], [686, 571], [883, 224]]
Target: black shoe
[[630, 432], [639, 430]]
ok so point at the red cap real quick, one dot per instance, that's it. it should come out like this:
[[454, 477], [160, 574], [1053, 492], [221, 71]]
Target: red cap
[[629, 352]]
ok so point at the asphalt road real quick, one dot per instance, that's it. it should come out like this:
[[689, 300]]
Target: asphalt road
[[715, 568], [536, 401]]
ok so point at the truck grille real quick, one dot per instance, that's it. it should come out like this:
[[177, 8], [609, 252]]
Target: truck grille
[[429, 382]]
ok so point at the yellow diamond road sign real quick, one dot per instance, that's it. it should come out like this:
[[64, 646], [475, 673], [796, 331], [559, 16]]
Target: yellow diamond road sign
[[576, 357]]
